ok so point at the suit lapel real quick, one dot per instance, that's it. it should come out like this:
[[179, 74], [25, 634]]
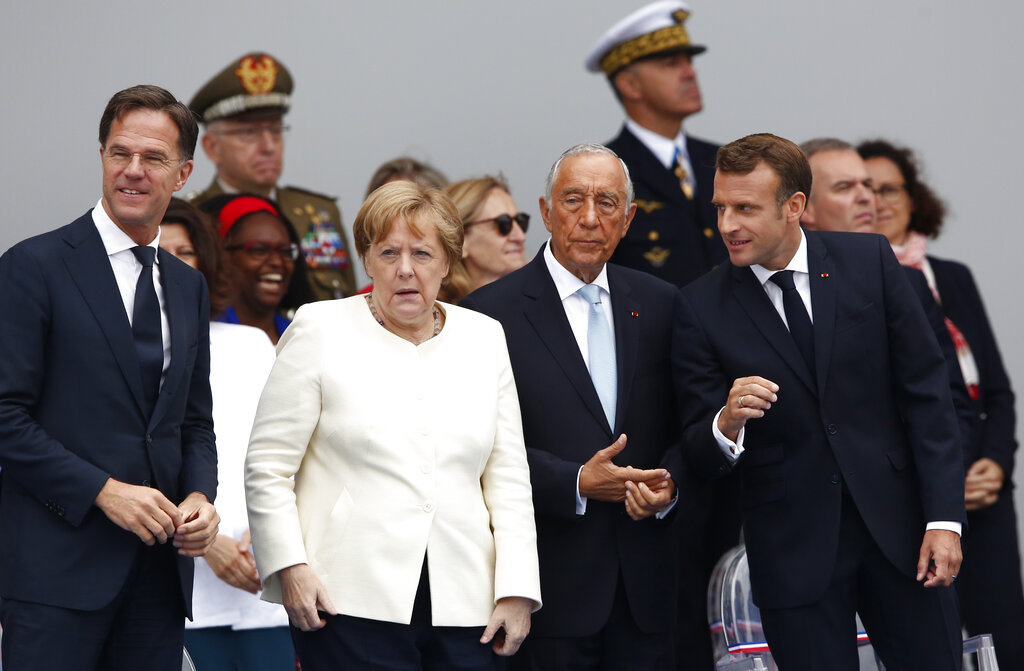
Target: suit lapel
[[90, 270], [170, 275], [546, 315], [759, 308], [627, 339], [823, 305]]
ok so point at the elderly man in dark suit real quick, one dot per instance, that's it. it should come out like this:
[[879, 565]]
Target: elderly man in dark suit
[[589, 344], [809, 364], [106, 437]]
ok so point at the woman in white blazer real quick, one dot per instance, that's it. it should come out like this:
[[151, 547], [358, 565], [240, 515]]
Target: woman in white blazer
[[386, 478]]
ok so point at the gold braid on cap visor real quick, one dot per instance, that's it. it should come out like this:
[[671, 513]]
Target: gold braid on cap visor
[[663, 39]]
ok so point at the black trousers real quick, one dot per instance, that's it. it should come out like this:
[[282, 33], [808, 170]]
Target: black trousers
[[911, 627], [372, 645], [142, 628], [619, 646]]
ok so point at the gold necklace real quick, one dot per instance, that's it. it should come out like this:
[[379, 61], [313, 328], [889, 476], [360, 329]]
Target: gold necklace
[[380, 320]]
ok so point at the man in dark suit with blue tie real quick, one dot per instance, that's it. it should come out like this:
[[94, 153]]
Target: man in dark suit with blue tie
[[810, 366], [106, 437], [589, 344]]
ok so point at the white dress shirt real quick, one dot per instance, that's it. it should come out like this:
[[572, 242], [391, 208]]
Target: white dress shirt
[[663, 148], [127, 269], [802, 282]]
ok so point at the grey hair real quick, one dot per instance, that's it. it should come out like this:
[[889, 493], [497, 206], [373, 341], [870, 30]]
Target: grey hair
[[586, 148], [812, 147]]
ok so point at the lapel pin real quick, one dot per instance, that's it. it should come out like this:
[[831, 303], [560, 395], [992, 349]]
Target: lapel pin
[[824, 275], [634, 313]]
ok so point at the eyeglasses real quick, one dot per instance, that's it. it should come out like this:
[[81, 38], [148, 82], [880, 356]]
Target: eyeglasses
[[504, 222], [253, 134], [150, 160], [259, 251], [890, 193]]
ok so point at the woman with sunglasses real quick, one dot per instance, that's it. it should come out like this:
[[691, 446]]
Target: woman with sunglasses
[[495, 233], [989, 583], [266, 270]]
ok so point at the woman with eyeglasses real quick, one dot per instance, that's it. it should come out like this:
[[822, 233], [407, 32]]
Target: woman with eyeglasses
[[989, 582], [266, 269], [231, 627], [495, 233]]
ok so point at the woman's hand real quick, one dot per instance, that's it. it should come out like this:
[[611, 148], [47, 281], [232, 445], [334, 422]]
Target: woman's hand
[[303, 595], [232, 562], [509, 625]]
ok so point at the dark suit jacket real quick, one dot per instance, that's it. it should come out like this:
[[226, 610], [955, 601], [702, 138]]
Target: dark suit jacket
[[996, 434], [671, 237], [876, 417], [564, 425], [72, 415]]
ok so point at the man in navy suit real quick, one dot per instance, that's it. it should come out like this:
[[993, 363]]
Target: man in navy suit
[[589, 344], [810, 367], [106, 437]]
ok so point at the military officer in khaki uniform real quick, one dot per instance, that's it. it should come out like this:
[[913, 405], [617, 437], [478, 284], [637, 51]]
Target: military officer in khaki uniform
[[242, 109]]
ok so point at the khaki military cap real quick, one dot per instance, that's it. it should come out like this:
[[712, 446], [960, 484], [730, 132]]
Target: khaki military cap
[[256, 84]]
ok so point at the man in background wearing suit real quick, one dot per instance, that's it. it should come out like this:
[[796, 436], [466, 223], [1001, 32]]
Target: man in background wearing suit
[[647, 58], [106, 438], [589, 344], [809, 364]]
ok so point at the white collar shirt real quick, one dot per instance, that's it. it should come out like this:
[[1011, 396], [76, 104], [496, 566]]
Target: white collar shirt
[[577, 309]]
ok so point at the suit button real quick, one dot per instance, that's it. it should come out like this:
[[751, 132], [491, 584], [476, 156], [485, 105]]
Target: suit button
[[425, 430], [708, 233], [983, 416], [149, 438], [835, 478], [426, 467], [832, 429], [428, 507], [145, 483]]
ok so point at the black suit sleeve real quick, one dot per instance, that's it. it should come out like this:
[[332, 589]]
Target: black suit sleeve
[[198, 444], [56, 476]]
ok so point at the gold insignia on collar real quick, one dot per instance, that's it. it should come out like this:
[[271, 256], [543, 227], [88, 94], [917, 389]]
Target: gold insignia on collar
[[657, 256], [258, 76], [653, 235], [648, 206]]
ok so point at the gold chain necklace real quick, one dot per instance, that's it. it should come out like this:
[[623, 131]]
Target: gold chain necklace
[[376, 316]]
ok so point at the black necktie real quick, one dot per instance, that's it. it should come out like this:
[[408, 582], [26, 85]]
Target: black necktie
[[149, 344], [796, 315]]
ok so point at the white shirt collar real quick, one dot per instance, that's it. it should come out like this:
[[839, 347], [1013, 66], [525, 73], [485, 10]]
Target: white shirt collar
[[114, 239], [663, 148], [798, 263], [567, 284]]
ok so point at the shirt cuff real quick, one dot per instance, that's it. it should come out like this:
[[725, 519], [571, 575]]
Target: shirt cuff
[[581, 501], [660, 515], [955, 527], [731, 450]]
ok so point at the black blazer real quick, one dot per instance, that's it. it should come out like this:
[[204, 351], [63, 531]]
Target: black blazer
[[995, 437], [876, 418], [72, 414], [671, 237], [564, 425]]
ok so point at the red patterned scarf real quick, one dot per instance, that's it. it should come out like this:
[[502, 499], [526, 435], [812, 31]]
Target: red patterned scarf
[[914, 254]]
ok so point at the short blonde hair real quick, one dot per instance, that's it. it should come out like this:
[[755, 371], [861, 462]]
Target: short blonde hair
[[415, 205]]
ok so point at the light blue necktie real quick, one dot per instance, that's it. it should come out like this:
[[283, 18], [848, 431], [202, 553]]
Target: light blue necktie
[[601, 348]]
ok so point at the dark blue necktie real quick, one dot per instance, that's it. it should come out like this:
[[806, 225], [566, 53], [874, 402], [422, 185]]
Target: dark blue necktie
[[796, 315], [149, 344]]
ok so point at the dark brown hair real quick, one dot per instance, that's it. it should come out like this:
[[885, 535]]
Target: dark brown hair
[[149, 97], [927, 209], [206, 244], [741, 157]]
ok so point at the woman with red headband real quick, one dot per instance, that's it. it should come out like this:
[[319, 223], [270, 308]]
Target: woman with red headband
[[266, 269]]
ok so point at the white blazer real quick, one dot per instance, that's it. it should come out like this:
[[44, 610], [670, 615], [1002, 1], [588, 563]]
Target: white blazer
[[396, 450]]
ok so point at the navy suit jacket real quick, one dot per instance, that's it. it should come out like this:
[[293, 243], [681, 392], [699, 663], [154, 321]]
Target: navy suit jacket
[[72, 414], [564, 425], [995, 436], [876, 416], [670, 237]]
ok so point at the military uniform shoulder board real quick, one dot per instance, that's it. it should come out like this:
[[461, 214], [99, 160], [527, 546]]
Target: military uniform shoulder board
[[307, 192]]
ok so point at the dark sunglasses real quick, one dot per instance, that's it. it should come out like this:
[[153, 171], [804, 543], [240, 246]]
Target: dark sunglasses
[[504, 222]]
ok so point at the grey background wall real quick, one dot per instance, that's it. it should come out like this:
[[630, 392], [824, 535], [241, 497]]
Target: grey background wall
[[479, 87]]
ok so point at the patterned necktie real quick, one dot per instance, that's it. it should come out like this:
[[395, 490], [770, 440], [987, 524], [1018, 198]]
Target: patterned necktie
[[685, 182], [149, 345], [601, 348], [796, 315]]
